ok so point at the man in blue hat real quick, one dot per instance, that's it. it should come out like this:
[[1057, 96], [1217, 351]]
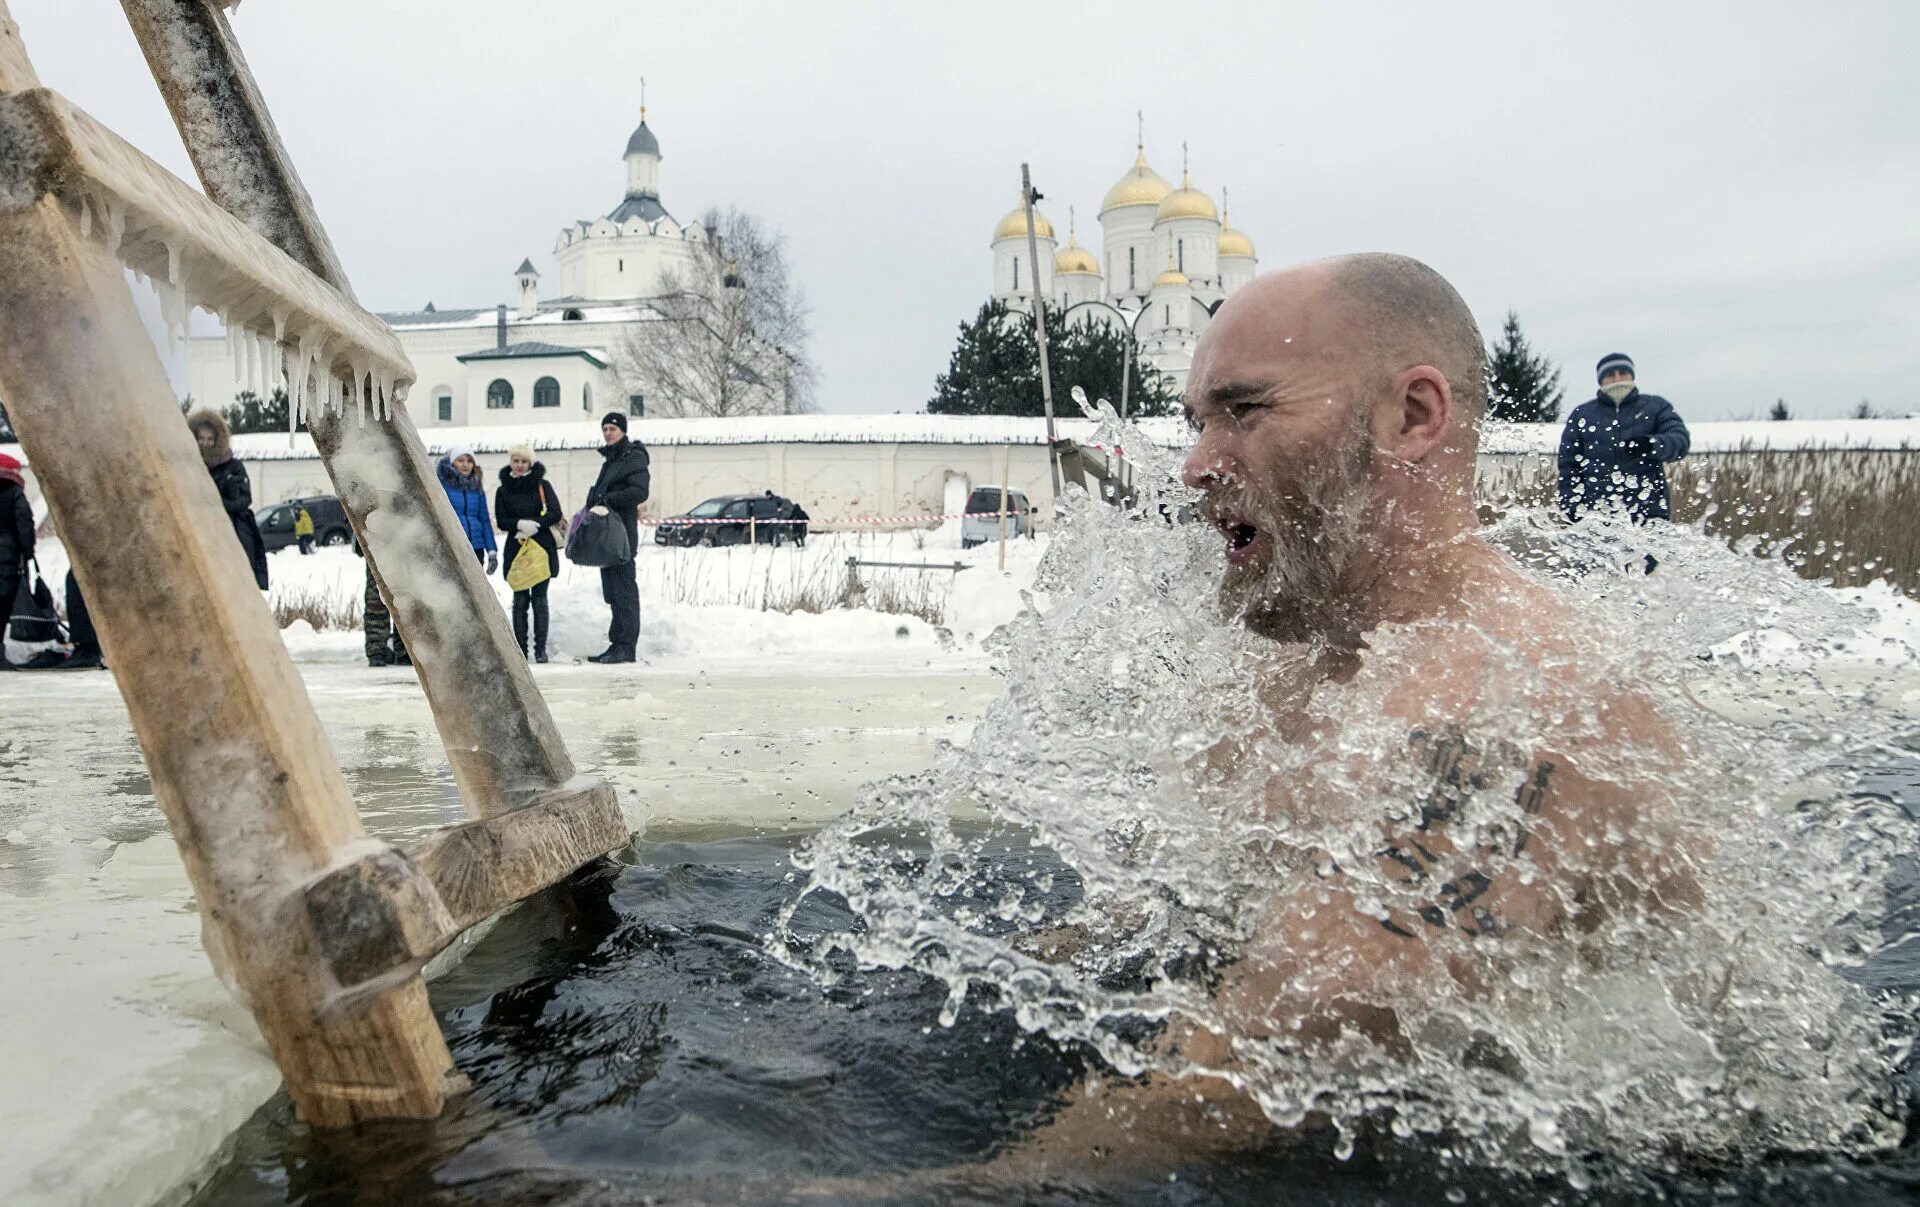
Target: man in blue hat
[[1614, 449]]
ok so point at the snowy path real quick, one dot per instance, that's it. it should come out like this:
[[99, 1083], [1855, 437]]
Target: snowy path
[[123, 1064]]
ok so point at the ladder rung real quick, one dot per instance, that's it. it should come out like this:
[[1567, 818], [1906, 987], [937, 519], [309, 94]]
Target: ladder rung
[[174, 234]]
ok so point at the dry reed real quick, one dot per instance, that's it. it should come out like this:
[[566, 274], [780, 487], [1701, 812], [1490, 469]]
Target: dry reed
[[1845, 517]]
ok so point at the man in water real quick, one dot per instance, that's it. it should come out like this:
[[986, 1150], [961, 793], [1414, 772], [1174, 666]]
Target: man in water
[[1337, 409]]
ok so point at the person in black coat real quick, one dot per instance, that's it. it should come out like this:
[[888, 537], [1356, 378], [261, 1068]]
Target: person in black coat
[[1614, 449], [16, 543], [236, 489], [526, 508], [624, 483]]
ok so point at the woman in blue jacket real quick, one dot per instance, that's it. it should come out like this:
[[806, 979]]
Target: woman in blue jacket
[[460, 478]]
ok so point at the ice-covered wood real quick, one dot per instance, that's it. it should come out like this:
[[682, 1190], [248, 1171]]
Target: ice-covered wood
[[498, 732], [483, 866], [380, 918], [239, 762], [195, 252]]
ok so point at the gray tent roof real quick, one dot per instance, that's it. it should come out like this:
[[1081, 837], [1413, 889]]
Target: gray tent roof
[[526, 266], [409, 318], [530, 350], [646, 207], [642, 141]]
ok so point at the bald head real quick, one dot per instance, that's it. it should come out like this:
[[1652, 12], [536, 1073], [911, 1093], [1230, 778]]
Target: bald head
[[1403, 313]]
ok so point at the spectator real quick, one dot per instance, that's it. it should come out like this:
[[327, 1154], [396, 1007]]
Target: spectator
[[526, 508], [1613, 449], [624, 483], [16, 544], [766, 513], [799, 517], [236, 489], [303, 531], [85, 654], [460, 478]]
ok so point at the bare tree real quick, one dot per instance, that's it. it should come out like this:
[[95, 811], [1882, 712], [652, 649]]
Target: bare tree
[[728, 334]]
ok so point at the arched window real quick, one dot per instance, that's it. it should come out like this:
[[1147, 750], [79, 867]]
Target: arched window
[[1016, 274], [572, 316], [546, 392], [1132, 282], [443, 405], [586, 396], [500, 395], [1183, 255]]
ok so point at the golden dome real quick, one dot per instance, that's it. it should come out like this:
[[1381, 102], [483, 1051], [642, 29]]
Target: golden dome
[[1140, 186], [1014, 225], [1185, 202], [1232, 242], [1172, 276], [1073, 257]]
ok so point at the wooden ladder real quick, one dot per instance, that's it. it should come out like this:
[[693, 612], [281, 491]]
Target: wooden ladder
[[321, 929]]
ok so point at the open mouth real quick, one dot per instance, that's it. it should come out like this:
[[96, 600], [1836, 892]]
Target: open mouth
[[1240, 536]]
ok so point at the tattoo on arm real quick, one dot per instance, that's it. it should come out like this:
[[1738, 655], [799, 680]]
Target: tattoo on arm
[[1459, 771]]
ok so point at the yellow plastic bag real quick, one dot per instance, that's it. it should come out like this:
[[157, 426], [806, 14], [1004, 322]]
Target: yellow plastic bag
[[530, 567]]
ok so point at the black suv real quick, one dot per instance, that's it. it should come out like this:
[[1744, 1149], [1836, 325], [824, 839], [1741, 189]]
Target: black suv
[[735, 520], [330, 525]]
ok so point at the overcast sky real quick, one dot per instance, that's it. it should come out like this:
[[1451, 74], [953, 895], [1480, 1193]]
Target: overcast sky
[[1729, 192]]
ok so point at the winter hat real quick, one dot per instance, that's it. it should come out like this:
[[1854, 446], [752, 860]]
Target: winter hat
[[615, 418], [458, 451], [10, 471], [1612, 361]]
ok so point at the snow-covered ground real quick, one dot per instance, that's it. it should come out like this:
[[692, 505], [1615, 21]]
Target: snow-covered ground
[[725, 607], [124, 1064]]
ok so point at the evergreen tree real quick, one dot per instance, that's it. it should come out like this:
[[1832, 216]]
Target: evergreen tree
[[994, 369], [250, 413], [1521, 387], [1866, 410], [1779, 410]]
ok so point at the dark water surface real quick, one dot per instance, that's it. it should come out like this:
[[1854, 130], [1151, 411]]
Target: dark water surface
[[637, 1045]]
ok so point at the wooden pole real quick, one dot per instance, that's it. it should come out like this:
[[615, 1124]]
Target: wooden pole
[[239, 761], [1040, 327], [502, 742], [1006, 477]]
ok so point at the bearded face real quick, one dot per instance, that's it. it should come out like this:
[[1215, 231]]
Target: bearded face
[[1294, 513]]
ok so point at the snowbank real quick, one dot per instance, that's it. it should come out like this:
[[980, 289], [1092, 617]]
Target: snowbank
[[734, 607]]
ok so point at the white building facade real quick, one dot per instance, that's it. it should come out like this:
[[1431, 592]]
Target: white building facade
[[536, 360], [1167, 260]]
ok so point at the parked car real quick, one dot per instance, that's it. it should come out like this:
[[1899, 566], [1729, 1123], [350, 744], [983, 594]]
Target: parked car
[[330, 525], [734, 520], [981, 523]]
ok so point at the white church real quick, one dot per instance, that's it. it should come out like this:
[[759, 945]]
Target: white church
[[1167, 260], [539, 360]]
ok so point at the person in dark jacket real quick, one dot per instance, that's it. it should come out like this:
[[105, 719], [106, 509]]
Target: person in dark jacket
[[16, 543], [467, 491], [526, 508], [236, 489], [1615, 445], [624, 483], [382, 640]]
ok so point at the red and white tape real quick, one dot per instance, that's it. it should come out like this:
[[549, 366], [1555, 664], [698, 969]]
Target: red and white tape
[[846, 521]]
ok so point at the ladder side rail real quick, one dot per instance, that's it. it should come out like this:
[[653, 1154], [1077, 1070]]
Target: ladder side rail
[[240, 764]]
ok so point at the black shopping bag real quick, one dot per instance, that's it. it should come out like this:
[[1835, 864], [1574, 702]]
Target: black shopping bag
[[598, 540], [33, 616]]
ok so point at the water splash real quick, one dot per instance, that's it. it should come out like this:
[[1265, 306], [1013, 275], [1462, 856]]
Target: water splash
[[1699, 992]]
